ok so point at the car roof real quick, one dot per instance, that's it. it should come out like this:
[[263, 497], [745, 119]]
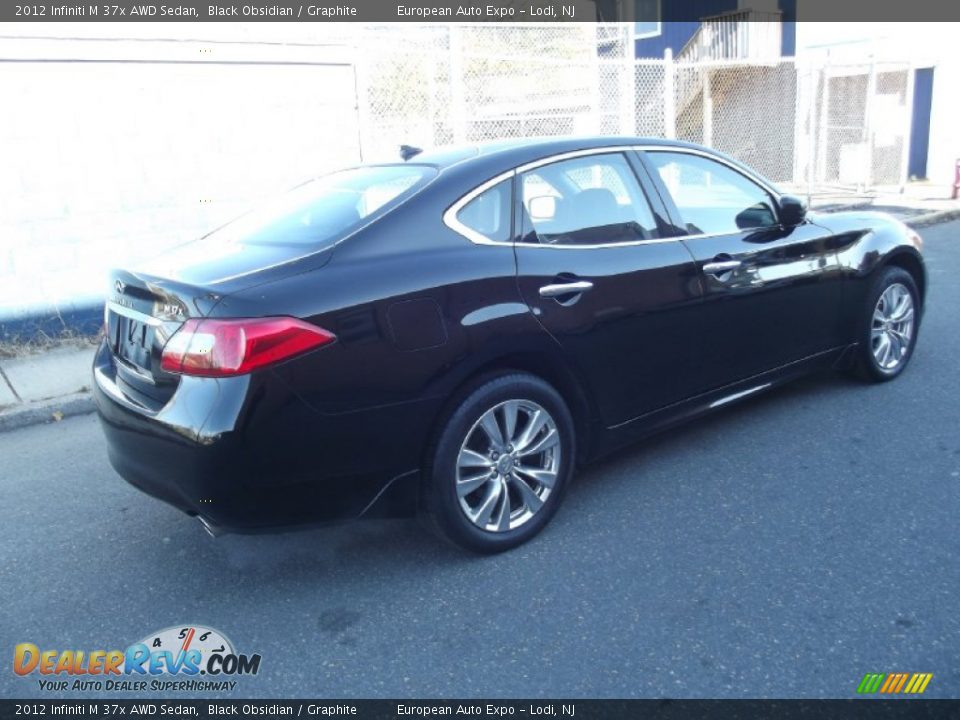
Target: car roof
[[520, 150], [491, 158]]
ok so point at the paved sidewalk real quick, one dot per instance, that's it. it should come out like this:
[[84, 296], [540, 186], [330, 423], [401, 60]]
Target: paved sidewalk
[[919, 204], [45, 386], [48, 386]]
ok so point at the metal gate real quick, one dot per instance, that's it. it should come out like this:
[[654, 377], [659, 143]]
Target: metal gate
[[863, 114]]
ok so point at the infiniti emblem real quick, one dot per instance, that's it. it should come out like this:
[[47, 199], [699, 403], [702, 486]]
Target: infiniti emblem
[[120, 285]]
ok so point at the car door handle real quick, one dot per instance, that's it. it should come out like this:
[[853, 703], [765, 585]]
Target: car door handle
[[721, 266], [569, 288]]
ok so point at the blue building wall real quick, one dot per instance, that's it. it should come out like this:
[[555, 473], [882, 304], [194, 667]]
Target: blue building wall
[[788, 46], [675, 34], [920, 125]]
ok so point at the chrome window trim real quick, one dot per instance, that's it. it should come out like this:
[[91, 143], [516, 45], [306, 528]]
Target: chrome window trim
[[601, 246], [724, 234], [451, 221], [611, 150]]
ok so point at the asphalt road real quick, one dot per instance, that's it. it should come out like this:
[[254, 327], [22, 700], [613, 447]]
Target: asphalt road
[[783, 547]]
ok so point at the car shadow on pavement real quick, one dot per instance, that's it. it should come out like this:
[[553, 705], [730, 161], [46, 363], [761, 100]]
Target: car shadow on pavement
[[395, 548], [800, 393]]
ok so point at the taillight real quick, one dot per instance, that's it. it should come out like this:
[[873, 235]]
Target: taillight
[[216, 348]]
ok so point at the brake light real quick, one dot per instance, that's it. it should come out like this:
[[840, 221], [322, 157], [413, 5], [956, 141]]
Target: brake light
[[218, 348]]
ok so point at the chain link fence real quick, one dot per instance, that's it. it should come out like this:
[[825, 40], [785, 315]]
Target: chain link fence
[[860, 117], [814, 130], [109, 192]]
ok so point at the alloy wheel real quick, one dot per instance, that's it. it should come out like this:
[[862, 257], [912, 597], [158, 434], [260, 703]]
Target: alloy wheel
[[892, 328], [508, 465]]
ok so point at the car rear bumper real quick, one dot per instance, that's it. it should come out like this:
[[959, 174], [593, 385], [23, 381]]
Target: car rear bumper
[[247, 455]]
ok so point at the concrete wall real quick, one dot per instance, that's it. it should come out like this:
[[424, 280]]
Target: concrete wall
[[115, 149]]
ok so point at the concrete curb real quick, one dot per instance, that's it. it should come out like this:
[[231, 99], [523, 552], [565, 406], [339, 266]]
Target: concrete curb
[[930, 218], [934, 218], [46, 411]]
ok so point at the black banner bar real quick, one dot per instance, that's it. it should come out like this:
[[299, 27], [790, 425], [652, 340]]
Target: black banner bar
[[901, 709], [469, 11]]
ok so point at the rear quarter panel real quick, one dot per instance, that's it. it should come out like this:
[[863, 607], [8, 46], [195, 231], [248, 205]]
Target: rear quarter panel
[[416, 309]]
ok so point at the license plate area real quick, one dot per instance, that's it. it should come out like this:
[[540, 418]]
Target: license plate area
[[131, 340]]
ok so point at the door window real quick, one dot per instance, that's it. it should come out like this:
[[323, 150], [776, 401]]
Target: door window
[[589, 200], [712, 198]]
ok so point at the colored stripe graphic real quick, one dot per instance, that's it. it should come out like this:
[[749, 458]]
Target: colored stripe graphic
[[889, 682], [870, 683], [893, 683]]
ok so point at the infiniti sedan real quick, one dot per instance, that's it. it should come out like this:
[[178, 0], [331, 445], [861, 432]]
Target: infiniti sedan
[[454, 334]]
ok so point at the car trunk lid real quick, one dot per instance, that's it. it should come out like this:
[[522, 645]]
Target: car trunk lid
[[147, 305]]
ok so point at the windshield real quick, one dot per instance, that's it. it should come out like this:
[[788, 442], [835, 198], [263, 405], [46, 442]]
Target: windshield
[[326, 209]]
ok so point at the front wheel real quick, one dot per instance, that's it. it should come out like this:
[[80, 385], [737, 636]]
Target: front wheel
[[888, 333], [501, 464]]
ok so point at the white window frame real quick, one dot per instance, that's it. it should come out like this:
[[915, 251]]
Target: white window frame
[[633, 22], [652, 34]]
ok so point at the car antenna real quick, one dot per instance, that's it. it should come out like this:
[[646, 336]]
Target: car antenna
[[409, 151]]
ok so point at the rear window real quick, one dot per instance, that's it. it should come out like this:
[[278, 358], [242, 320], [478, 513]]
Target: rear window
[[324, 210]]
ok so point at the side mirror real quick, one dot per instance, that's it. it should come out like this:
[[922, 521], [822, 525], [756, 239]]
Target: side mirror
[[543, 207], [792, 210]]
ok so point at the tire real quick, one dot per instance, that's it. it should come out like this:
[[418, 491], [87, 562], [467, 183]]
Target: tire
[[468, 473], [878, 328]]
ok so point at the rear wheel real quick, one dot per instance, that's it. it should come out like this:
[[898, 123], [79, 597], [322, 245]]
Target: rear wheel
[[501, 464], [888, 332]]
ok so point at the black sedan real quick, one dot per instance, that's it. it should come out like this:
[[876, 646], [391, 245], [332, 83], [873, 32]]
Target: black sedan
[[451, 335]]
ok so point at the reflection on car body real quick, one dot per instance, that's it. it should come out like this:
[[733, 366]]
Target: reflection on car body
[[453, 334]]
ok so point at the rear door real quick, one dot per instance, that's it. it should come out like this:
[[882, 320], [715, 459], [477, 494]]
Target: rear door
[[771, 294], [598, 268]]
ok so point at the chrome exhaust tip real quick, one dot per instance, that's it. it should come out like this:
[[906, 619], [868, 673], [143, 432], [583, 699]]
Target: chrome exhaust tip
[[212, 530]]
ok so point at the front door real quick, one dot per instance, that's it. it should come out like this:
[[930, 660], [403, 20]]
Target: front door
[[772, 294], [598, 271]]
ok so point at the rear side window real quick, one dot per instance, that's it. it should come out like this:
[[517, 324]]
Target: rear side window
[[324, 210], [489, 213]]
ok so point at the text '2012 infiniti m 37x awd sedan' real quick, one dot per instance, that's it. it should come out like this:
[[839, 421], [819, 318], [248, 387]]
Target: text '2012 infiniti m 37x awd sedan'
[[453, 334]]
